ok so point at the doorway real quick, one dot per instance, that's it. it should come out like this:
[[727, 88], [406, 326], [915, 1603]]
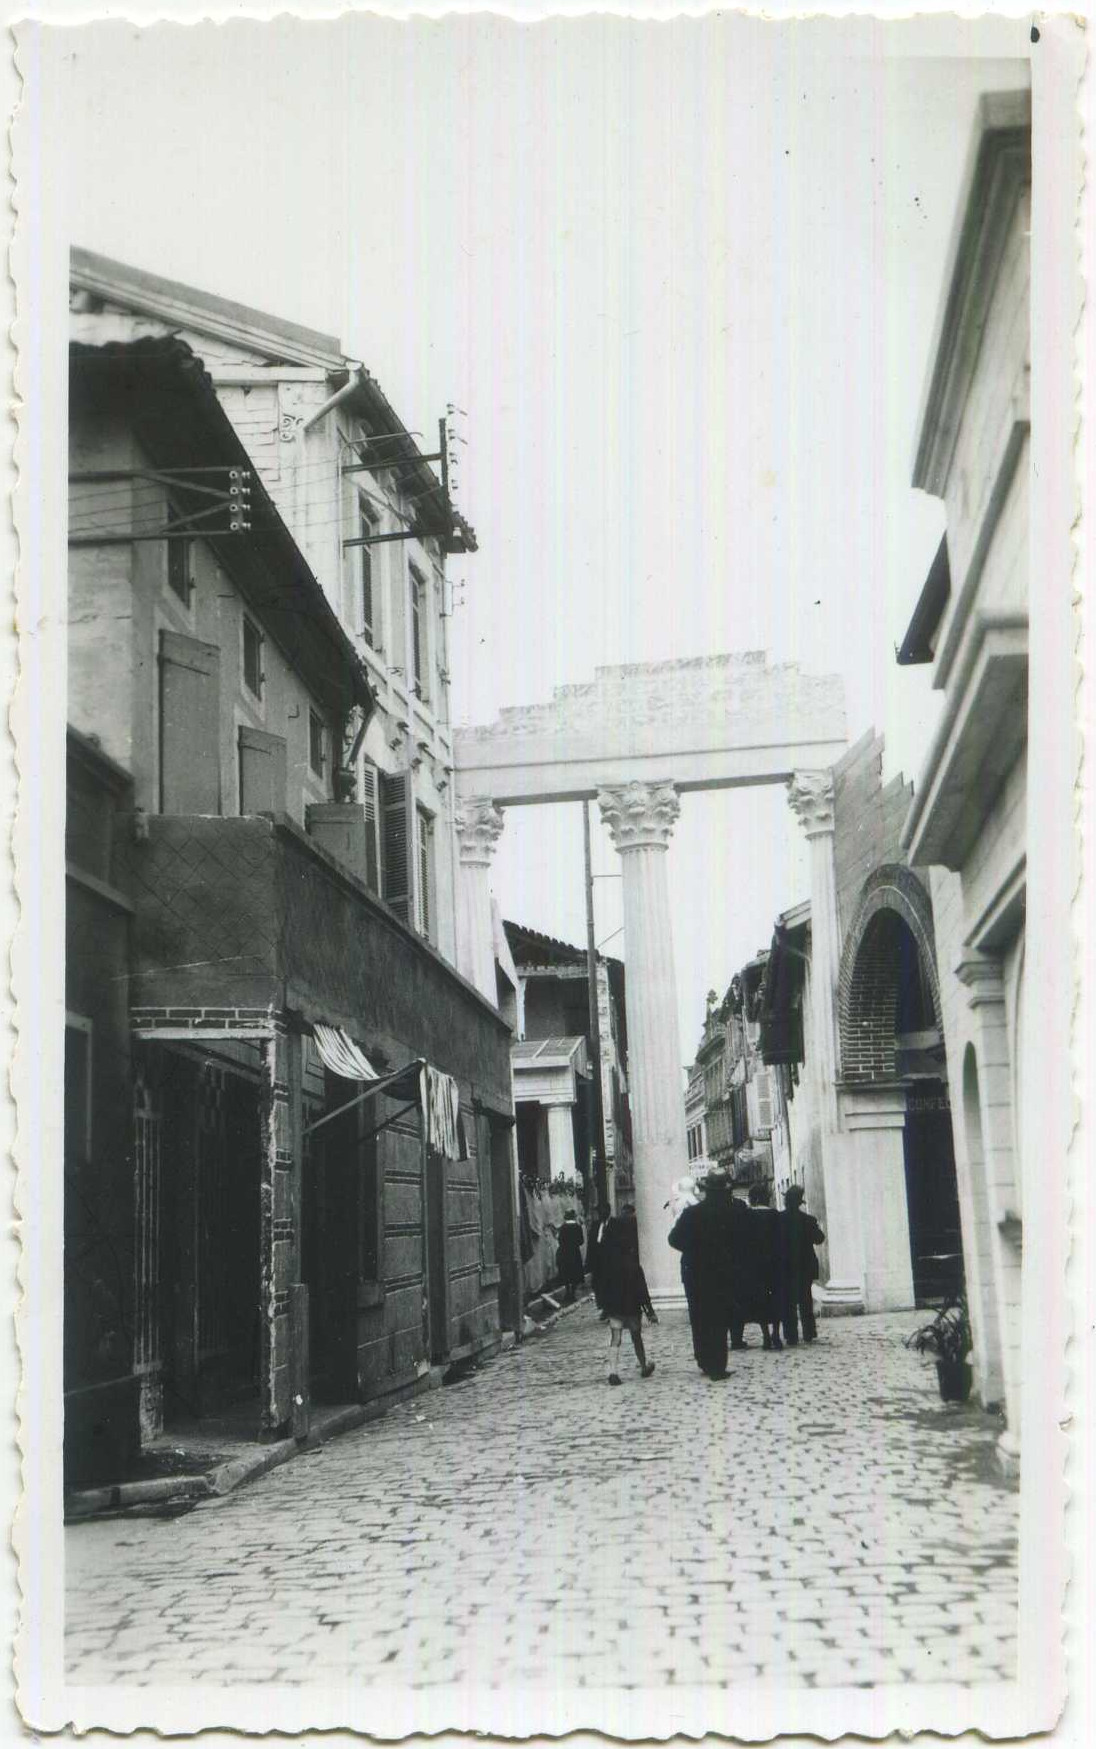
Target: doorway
[[932, 1195], [209, 1251]]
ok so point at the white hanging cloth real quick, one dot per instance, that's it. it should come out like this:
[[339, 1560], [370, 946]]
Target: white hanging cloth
[[341, 1055], [441, 1116]]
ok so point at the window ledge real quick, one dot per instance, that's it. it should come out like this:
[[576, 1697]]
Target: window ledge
[[370, 1295], [490, 1275]]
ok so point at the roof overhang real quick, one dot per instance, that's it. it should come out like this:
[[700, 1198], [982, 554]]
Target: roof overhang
[[203, 312], [168, 400], [998, 170], [394, 449], [980, 737]]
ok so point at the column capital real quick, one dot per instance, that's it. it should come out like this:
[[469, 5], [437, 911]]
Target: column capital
[[479, 825], [639, 815], [983, 976], [810, 796]]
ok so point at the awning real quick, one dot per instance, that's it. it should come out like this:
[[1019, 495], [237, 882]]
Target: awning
[[341, 1055], [435, 1093]]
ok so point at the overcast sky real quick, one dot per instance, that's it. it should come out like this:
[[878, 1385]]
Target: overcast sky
[[683, 277]]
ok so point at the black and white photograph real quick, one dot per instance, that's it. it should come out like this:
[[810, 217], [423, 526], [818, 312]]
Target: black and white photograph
[[546, 974]]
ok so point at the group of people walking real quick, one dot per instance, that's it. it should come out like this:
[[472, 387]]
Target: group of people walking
[[746, 1264], [740, 1264]]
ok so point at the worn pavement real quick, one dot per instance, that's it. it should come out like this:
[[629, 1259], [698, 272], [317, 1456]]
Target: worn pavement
[[819, 1519]]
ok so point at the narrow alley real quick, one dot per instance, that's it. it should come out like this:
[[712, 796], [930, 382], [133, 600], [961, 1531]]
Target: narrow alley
[[820, 1519]]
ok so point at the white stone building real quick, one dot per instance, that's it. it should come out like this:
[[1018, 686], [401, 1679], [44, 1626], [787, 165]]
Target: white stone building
[[969, 816]]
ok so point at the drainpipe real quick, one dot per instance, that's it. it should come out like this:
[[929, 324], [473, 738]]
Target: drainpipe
[[355, 381]]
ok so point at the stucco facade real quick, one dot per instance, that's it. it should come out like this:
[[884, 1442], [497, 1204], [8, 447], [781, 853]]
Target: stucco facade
[[969, 817], [338, 464]]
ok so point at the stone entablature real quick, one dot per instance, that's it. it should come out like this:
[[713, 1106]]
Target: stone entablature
[[709, 722]]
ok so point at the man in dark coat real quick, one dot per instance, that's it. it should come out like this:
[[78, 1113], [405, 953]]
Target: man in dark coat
[[800, 1233], [765, 1246], [569, 1256], [712, 1236]]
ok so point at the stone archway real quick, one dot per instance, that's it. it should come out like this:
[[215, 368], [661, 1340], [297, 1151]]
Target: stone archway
[[894, 1095], [871, 968]]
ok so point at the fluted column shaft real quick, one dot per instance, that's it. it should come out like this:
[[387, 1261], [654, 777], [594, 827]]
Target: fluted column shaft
[[640, 817], [479, 824], [810, 794]]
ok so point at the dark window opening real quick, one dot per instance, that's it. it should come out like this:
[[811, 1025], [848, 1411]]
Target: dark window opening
[[253, 659], [316, 743], [180, 553]]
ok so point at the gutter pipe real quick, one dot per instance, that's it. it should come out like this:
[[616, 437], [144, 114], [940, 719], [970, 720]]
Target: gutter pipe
[[353, 382]]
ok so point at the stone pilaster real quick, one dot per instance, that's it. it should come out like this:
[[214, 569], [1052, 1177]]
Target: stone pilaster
[[640, 818], [810, 795], [479, 825], [992, 1152], [874, 1154]]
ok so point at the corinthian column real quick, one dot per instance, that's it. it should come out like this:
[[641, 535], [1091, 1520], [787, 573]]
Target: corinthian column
[[479, 824], [640, 817], [810, 794]]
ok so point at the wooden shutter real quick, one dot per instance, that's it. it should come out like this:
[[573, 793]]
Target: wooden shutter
[[262, 772], [398, 813], [369, 794], [486, 1190], [190, 700]]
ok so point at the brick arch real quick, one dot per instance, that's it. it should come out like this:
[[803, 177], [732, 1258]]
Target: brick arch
[[893, 904]]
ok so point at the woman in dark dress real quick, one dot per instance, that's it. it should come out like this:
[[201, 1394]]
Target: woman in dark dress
[[624, 1294]]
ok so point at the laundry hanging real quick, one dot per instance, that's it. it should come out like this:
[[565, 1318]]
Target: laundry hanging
[[441, 1114], [341, 1055]]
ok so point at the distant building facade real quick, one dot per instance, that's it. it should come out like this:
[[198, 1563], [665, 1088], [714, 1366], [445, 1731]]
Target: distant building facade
[[737, 1087], [552, 1057], [696, 1117]]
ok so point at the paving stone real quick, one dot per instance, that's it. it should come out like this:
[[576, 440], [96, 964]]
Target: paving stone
[[815, 1522]]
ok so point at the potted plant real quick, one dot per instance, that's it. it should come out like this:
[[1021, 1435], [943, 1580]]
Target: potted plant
[[948, 1338]]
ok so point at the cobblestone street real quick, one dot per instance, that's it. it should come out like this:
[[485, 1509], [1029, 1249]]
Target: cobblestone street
[[819, 1519]]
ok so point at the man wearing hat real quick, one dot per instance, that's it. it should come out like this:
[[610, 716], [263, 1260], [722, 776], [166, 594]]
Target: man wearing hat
[[800, 1234], [711, 1235]]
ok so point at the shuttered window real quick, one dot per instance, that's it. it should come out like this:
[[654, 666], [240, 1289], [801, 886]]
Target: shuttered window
[[398, 815], [190, 696], [764, 1101], [418, 634], [370, 785], [262, 772], [424, 830], [367, 526]]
